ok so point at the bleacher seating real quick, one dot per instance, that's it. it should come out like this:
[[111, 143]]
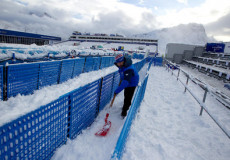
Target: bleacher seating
[[215, 65]]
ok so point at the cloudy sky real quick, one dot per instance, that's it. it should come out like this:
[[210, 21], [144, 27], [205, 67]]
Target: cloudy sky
[[61, 17]]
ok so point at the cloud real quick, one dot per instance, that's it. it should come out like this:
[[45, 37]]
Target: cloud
[[62, 17], [220, 29], [183, 1], [113, 16]]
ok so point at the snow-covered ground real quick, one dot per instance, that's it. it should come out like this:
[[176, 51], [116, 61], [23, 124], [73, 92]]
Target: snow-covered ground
[[168, 126]]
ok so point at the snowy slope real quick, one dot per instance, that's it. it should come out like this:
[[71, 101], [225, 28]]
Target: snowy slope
[[185, 33]]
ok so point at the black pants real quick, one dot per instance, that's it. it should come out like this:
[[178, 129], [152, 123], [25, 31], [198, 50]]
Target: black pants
[[128, 94]]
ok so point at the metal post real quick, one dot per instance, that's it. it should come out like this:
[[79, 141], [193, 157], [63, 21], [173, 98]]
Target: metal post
[[204, 98], [186, 83], [178, 74]]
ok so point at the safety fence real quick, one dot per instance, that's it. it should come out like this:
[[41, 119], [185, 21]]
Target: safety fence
[[139, 95], [39, 133], [27, 77], [221, 98], [1, 82]]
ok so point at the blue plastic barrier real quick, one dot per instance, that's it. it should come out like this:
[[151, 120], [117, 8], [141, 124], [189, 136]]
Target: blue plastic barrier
[[37, 134], [139, 95], [89, 64], [157, 61], [83, 108], [1, 82], [106, 62], [116, 81], [67, 67], [22, 79], [78, 66], [96, 63], [106, 91], [49, 73]]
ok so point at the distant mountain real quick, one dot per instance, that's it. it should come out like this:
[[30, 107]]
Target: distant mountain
[[185, 33], [42, 14]]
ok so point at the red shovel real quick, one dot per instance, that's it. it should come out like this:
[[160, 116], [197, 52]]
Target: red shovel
[[107, 125]]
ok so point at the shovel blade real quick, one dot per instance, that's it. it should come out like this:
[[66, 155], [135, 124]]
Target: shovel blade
[[106, 127], [103, 132]]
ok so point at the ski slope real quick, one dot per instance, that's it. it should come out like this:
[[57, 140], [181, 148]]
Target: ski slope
[[167, 127]]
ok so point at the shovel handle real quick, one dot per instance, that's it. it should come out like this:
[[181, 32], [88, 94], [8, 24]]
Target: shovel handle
[[113, 100]]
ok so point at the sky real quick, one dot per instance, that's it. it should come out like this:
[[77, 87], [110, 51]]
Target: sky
[[62, 17]]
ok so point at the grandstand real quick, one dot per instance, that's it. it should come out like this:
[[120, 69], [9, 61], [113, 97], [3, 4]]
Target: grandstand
[[9, 36], [112, 38]]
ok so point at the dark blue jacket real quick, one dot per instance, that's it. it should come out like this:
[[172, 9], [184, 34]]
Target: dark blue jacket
[[128, 75]]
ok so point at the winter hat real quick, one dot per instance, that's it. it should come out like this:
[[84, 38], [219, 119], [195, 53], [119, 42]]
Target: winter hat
[[119, 58]]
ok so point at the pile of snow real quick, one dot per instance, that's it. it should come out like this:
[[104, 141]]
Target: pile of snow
[[185, 33]]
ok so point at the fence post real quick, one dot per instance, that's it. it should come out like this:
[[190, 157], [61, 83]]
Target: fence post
[[186, 83], [178, 74], [5, 82], [204, 98], [99, 97]]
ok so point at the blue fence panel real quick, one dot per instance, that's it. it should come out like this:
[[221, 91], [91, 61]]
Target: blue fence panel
[[78, 66], [106, 91], [96, 63], [37, 134], [139, 95], [116, 81], [1, 82], [103, 62], [22, 79], [66, 70], [49, 73], [84, 105], [111, 61], [106, 62], [157, 61], [89, 64]]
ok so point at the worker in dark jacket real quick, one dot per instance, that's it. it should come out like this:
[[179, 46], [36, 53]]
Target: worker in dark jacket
[[129, 80]]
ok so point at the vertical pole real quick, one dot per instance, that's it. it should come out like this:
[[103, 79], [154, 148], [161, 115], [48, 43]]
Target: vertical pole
[[5, 82], [186, 84], [178, 74], [204, 98]]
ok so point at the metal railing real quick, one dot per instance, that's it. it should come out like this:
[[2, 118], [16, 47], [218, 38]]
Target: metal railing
[[170, 66]]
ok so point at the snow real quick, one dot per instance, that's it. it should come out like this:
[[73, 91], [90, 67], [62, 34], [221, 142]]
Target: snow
[[168, 126]]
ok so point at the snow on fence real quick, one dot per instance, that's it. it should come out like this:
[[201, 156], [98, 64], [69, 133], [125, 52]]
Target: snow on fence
[[138, 97], [28, 77], [39, 133]]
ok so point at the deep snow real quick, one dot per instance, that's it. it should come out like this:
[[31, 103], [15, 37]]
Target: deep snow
[[167, 126]]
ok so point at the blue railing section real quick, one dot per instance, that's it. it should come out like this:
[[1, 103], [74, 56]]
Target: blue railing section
[[120, 146], [138, 56], [22, 79], [1, 82], [83, 107], [49, 73], [26, 78], [39, 133]]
